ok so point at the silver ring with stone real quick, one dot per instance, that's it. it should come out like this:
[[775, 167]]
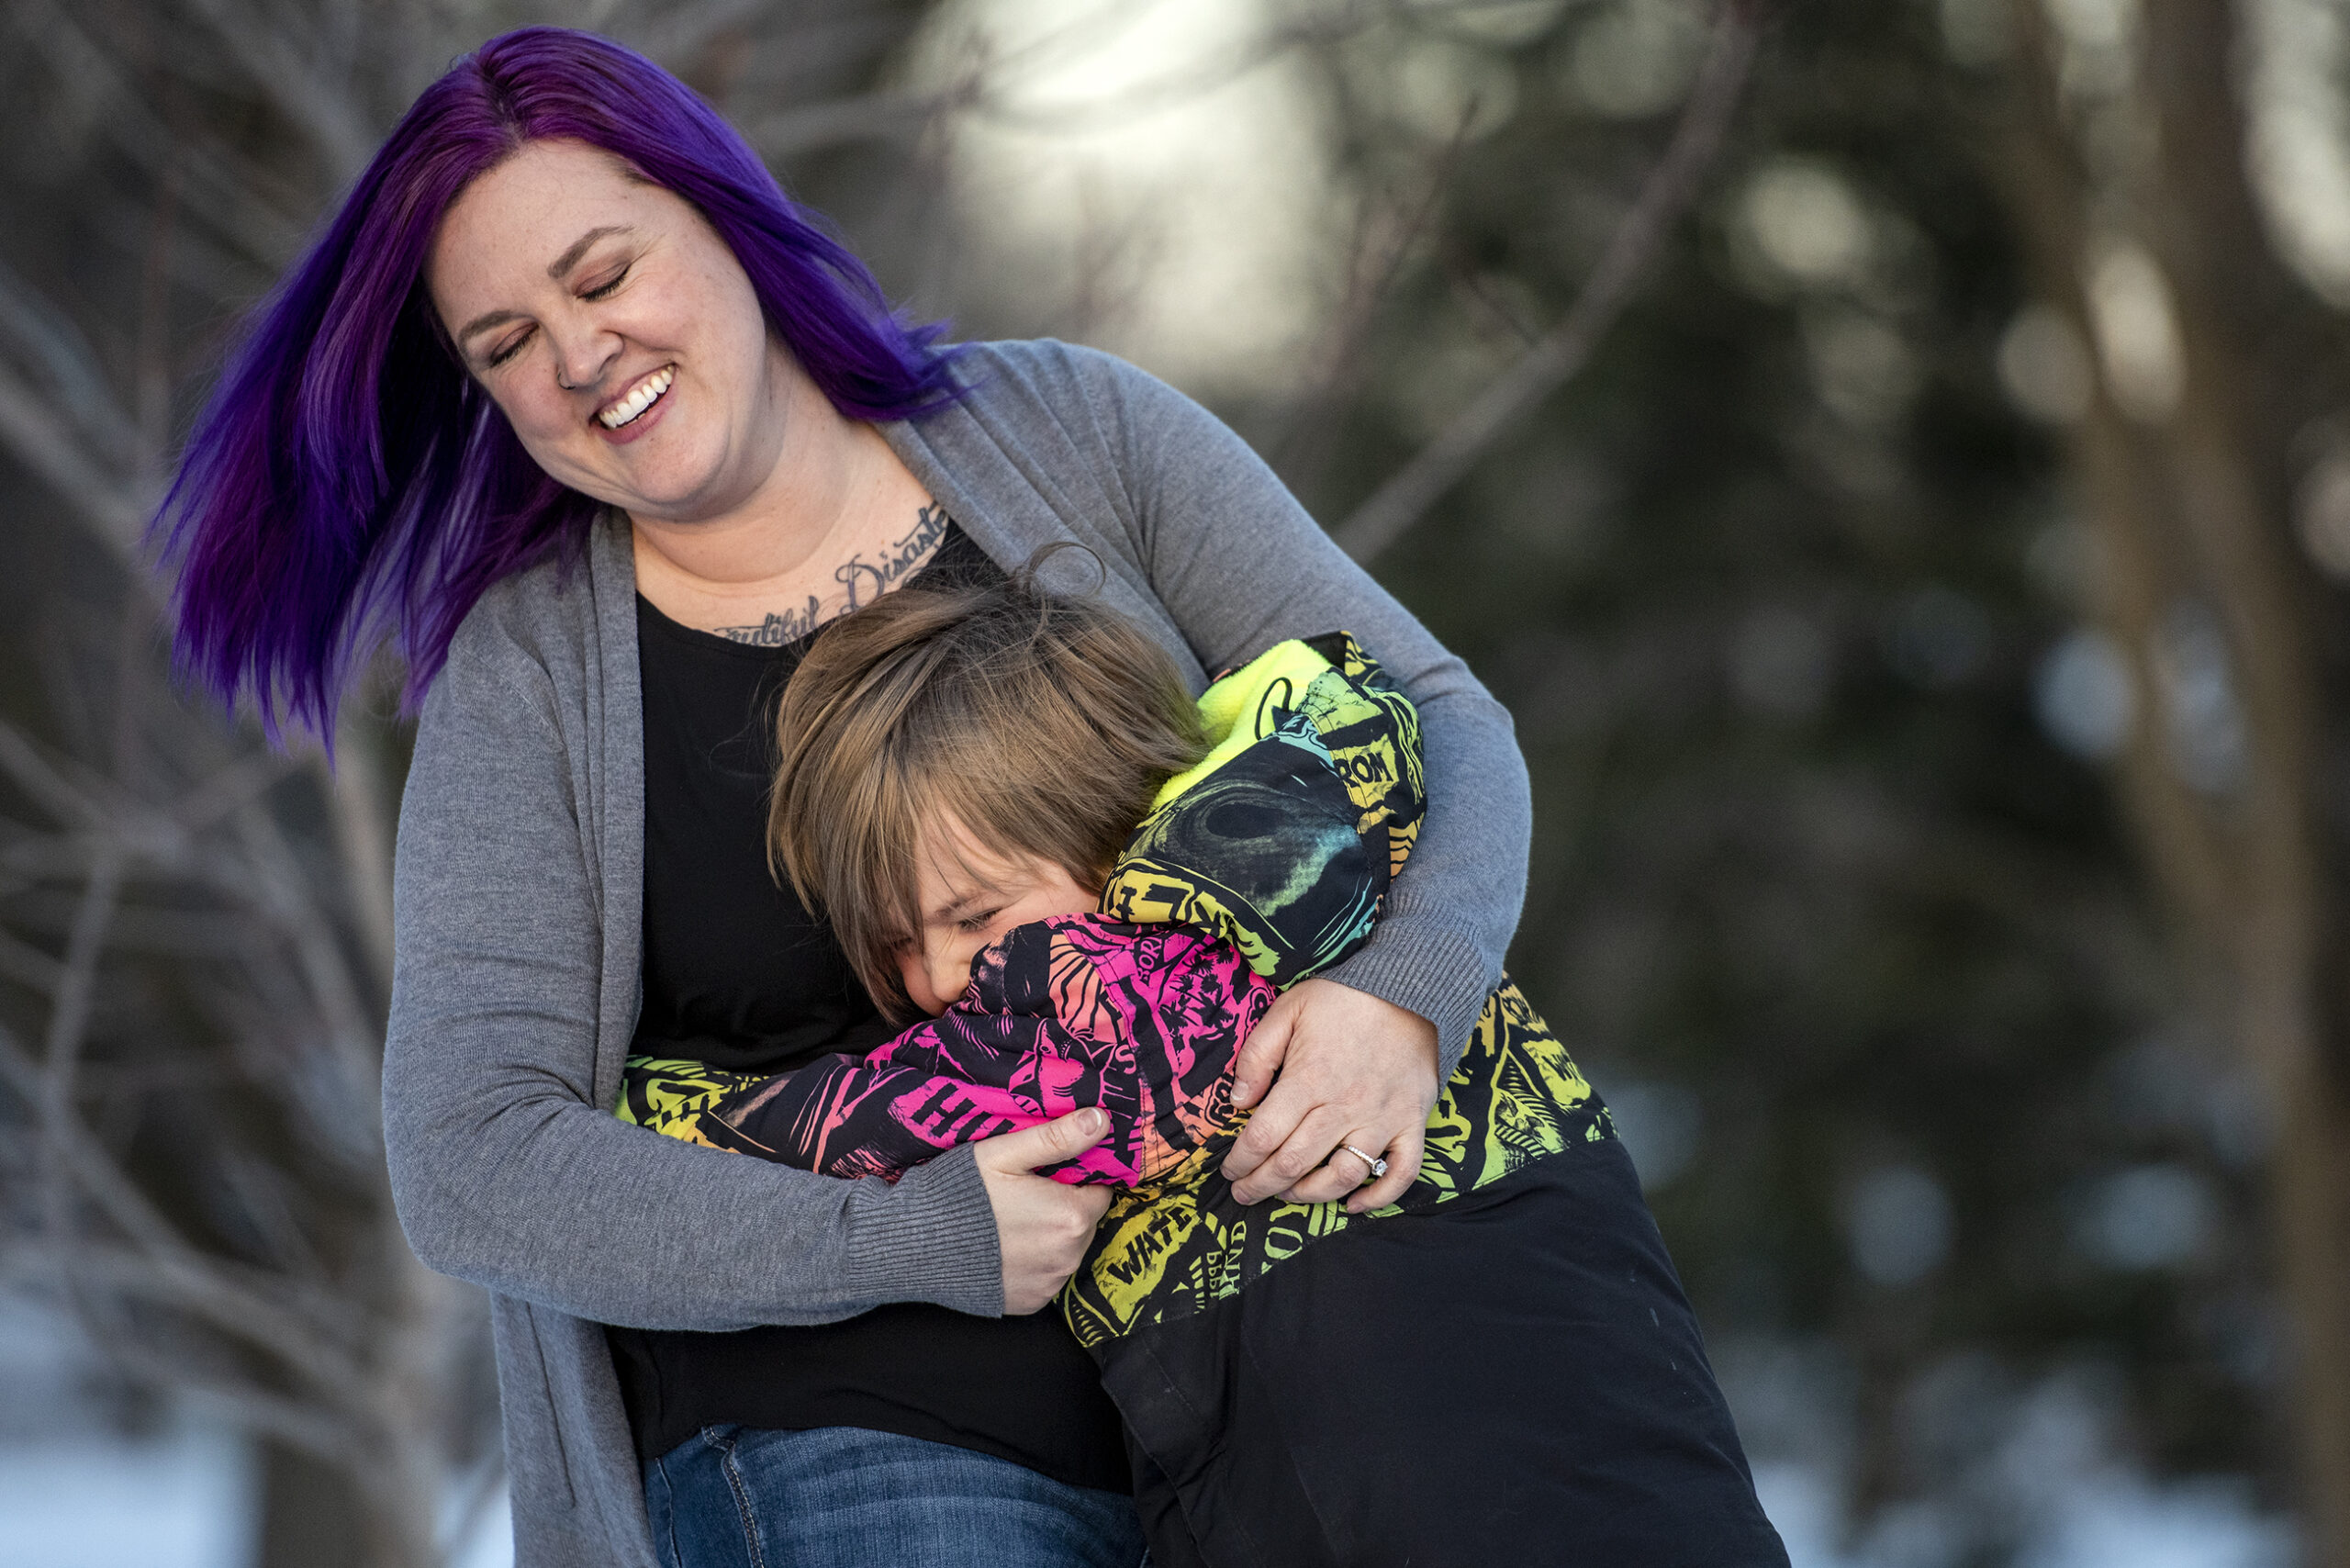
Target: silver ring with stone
[[1377, 1168]]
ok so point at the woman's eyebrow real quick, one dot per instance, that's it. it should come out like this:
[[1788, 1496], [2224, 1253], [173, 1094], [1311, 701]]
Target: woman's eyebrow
[[570, 258], [484, 322], [562, 265]]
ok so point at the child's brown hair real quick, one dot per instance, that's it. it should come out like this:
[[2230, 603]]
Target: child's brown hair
[[1044, 724]]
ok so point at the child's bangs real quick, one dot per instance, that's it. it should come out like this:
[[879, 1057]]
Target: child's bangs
[[1040, 726], [1025, 781]]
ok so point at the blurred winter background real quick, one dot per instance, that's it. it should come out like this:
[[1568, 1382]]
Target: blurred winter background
[[1893, 456]]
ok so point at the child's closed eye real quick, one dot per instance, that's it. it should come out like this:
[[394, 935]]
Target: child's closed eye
[[978, 920]]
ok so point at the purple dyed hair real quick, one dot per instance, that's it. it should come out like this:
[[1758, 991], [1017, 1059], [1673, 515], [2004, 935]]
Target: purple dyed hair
[[349, 483]]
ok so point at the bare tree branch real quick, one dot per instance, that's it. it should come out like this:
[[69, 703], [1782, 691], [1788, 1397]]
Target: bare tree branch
[[69, 1020], [1407, 495], [22, 762], [226, 196], [291, 1419], [341, 136], [40, 441], [206, 1287], [241, 782], [44, 336], [1385, 232], [860, 117], [362, 819], [29, 967]]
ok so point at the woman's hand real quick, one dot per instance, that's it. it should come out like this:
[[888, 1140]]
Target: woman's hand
[[1042, 1226], [1353, 1069]]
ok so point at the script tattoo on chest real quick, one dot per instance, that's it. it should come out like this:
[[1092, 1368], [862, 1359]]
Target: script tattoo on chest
[[862, 581], [781, 626]]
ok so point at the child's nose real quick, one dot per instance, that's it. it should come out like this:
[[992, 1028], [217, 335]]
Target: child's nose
[[950, 971]]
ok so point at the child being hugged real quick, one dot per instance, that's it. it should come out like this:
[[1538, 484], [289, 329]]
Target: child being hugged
[[1500, 1367], [961, 768]]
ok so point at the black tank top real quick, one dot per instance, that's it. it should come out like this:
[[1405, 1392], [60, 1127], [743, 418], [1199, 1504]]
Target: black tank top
[[737, 974]]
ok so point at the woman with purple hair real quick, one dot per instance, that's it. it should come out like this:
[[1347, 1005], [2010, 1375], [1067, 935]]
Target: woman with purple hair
[[573, 406]]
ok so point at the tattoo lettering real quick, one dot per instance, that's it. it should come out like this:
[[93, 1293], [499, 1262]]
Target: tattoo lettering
[[778, 628], [857, 575], [864, 581]]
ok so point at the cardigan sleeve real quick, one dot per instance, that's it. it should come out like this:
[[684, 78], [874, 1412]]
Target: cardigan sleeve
[[1240, 566], [504, 1170]]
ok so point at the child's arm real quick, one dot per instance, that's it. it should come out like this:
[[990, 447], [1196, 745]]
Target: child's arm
[[1059, 1015], [833, 1116]]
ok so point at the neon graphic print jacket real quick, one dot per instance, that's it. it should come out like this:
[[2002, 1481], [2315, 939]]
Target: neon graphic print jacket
[[1255, 868], [1500, 1367]]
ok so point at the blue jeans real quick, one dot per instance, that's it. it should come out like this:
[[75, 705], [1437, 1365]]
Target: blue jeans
[[845, 1497]]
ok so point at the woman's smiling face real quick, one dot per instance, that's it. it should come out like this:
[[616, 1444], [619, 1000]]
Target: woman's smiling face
[[616, 331]]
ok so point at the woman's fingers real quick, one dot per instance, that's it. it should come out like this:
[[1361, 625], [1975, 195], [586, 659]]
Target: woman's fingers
[[1344, 1169], [1351, 1063], [1403, 1168], [1043, 1227], [1046, 1143], [1352, 1170], [1307, 1145], [1261, 1053], [1269, 1129]]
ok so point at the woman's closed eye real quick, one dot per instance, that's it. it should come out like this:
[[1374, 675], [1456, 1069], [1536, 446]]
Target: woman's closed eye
[[977, 919], [509, 347]]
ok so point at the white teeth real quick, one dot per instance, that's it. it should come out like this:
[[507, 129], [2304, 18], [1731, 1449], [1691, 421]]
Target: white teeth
[[640, 398]]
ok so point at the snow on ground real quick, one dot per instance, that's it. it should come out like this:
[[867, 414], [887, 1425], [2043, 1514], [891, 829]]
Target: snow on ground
[[90, 1502], [181, 1500]]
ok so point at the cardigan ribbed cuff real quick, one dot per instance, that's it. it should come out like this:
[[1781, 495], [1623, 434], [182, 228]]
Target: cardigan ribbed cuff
[[933, 1238], [1425, 965]]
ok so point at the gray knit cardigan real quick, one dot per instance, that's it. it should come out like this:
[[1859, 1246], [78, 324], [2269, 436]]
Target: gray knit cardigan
[[519, 889]]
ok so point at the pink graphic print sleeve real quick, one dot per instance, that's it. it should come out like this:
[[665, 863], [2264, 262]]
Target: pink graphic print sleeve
[[1143, 1021]]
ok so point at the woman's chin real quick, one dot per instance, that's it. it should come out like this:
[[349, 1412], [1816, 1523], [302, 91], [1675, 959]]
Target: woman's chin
[[654, 487]]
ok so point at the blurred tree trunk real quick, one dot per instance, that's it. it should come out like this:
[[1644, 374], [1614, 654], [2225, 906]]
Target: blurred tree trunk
[[2143, 231], [307, 1509]]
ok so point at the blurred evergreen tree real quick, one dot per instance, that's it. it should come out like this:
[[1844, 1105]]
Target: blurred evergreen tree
[[1797, 594]]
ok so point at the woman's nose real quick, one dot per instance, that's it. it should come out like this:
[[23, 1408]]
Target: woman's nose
[[582, 355]]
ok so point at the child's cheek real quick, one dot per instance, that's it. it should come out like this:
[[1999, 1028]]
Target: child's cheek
[[914, 974]]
